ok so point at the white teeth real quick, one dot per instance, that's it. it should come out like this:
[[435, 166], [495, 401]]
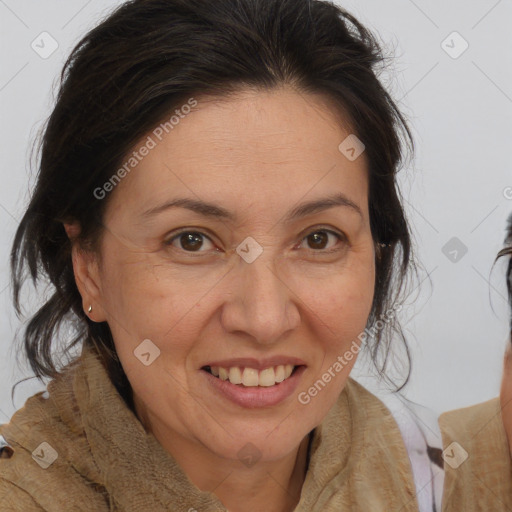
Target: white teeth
[[251, 377], [280, 373], [235, 375], [267, 377]]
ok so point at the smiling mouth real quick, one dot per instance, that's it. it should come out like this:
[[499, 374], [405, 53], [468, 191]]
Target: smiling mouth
[[250, 377]]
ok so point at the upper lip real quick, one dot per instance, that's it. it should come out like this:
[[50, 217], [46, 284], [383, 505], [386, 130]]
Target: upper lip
[[257, 364]]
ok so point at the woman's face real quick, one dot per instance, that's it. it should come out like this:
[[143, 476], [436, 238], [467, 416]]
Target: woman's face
[[267, 283]]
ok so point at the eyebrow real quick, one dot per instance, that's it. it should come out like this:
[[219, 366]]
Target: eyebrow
[[218, 212]]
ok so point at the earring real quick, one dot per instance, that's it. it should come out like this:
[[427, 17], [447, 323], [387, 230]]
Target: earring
[[90, 309]]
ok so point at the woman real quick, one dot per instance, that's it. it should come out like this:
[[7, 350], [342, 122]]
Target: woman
[[218, 309], [477, 439]]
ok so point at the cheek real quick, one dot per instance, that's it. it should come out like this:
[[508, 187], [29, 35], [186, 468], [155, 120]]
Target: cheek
[[343, 299], [138, 290], [341, 306]]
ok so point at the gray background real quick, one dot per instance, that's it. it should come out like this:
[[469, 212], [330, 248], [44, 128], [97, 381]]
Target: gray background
[[459, 184]]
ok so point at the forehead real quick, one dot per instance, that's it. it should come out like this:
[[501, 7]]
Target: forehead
[[269, 147]]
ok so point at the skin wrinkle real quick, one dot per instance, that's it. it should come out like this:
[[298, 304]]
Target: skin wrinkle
[[217, 305]]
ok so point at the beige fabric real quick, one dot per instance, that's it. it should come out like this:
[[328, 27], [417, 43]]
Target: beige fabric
[[107, 462], [483, 481]]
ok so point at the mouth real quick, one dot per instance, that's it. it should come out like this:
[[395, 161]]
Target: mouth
[[250, 387], [247, 377]]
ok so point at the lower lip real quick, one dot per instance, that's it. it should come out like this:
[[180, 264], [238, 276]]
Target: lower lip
[[256, 396]]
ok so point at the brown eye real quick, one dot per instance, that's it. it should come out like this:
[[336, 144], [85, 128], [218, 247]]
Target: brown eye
[[189, 241], [319, 240]]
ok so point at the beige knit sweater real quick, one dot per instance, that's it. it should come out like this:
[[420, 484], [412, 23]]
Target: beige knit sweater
[[478, 469], [83, 449]]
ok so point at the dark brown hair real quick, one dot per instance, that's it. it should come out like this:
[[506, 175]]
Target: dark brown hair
[[131, 71]]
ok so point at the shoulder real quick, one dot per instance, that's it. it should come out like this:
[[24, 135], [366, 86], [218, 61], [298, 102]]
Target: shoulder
[[358, 393], [378, 409], [45, 453], [419, 431], [477, 459], [477, 433], [378, 428], [26, 450], [465, 420]]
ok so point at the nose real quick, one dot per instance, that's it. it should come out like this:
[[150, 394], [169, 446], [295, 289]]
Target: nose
[[262, 303]]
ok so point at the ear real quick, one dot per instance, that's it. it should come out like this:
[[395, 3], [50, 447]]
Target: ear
[[87, 276]]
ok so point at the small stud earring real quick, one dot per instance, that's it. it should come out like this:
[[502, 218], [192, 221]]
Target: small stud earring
[[90, 309]]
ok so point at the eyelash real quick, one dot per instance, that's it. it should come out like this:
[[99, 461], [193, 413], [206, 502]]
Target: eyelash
[[340, 236]]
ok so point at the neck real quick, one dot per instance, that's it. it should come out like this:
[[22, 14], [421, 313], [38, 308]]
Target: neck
[[274, 487], [268, 486]]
